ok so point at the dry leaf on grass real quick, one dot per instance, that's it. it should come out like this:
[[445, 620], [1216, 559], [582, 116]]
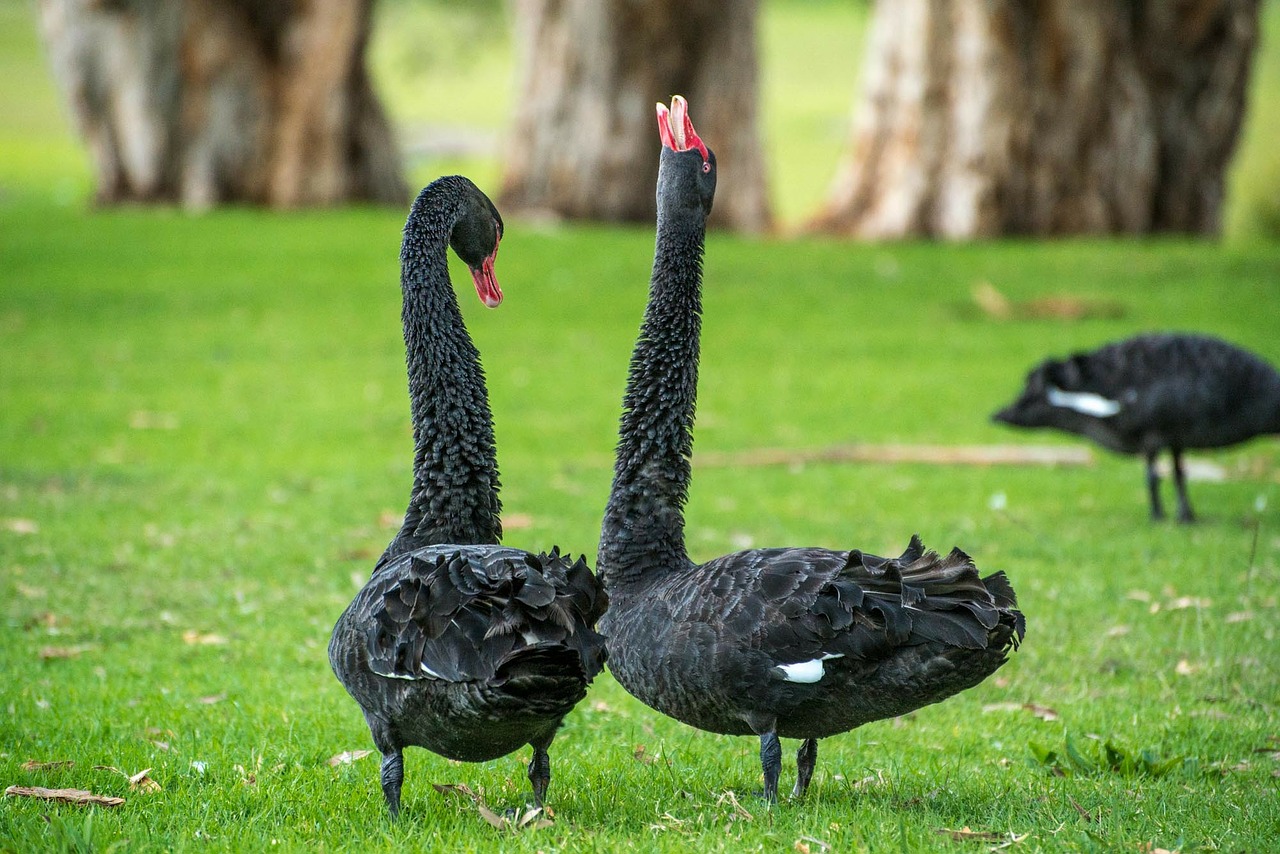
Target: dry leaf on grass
[[804, 847], [1084, 813], [160, 743], [738, 810], [29, 592], [250, 777], [65, 796], [642, 755], [47, 619], [492, 817], [142, 419], [964, 834], [139, 782], [516, 521], [21, 526], [1213, 714], [1001, 707], [1044, 713], [456, 789], [668, 822], [194, 638], [1070, 308], [48, 653], [212, 699], [534, 818], [528, 821], [57, 765], [1185, 668], [346, 757], [995, 305]]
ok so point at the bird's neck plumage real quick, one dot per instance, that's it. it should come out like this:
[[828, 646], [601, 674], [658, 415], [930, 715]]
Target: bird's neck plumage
[[642, 537], [455, 469]]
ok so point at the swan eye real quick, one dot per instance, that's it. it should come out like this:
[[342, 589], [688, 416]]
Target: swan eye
[[706, 167]]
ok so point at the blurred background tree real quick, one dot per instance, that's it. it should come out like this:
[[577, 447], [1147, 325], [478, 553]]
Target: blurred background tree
[[583, 139], [981, 118], [210, 101], [973, 118]]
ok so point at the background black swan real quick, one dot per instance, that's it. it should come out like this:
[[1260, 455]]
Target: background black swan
[[1155, 391], [457, 644], [796, 642]]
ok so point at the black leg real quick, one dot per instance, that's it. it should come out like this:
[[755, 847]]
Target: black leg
[[392, 779], [540, 772], [1153, 487], [771, 762], [1180, 480], [806, 758]]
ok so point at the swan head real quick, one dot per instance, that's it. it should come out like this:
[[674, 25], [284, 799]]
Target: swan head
[[687, 172], [475, 238]]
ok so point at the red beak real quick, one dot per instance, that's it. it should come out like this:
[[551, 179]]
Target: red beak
[[676, 128], [486, 282]]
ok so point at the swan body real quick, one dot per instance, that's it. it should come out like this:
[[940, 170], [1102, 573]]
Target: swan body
[[456, 643], [785, 642], [1154, 392]]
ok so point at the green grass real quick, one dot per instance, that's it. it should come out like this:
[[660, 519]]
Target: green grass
[[203, 437], [204, 421]]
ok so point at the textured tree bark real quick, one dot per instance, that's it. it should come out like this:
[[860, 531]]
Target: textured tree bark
[[202, 102], [981, 118], [584, 142]]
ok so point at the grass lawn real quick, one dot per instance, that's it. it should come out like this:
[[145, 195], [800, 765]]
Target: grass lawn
[[204, 445]]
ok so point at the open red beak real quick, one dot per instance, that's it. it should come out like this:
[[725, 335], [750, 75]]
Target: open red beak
[[676, 128], [486, 282]]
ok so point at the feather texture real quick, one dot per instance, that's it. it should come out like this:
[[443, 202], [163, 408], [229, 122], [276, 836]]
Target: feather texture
[[457, 644]]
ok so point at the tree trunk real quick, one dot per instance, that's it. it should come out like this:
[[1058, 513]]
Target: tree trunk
[[982, 118], [584, 142], [209, 101]]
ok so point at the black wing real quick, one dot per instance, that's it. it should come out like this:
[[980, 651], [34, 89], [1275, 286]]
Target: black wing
[[822, 603], [457, 613]]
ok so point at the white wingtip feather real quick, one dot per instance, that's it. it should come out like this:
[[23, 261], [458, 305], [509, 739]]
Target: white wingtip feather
[[806, 672], [1085, 402]]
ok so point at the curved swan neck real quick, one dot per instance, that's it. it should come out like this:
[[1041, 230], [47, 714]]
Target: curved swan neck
[[643, 532], [455, 470]]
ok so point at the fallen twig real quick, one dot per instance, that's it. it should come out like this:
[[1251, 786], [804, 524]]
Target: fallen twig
[[967, 455]]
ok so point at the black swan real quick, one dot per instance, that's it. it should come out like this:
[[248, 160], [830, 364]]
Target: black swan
[[1150, 392], [792, 642], [457, 644]]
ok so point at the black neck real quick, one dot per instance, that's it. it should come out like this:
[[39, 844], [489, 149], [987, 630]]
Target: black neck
[[455, 468], [643, 533]]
